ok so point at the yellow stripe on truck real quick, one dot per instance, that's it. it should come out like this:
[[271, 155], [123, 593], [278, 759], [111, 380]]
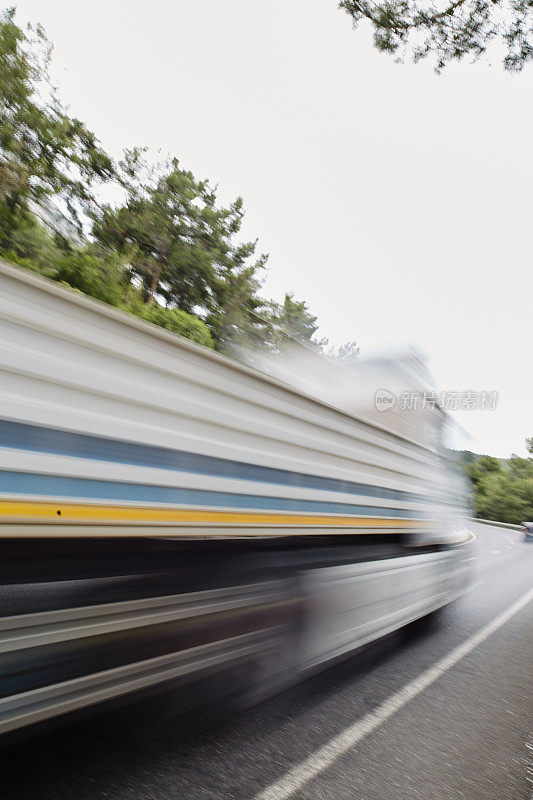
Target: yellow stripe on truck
[[35, 511]]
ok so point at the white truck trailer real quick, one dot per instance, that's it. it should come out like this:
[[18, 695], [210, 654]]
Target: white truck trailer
[[168, 513]]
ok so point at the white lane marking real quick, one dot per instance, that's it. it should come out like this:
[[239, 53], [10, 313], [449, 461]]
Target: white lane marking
[[495, 552], [324, 757]]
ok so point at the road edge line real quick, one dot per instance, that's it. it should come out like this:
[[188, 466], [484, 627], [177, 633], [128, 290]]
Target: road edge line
[[325, 756]]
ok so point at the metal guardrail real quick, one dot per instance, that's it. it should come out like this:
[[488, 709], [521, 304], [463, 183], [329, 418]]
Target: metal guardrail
[[497, 524]]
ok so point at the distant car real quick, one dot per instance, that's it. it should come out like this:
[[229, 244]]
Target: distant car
[[528, 531]]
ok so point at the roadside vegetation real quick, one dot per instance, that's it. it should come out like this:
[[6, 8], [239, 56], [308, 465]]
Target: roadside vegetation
[[168, 252], [449, 31], [501, 488]]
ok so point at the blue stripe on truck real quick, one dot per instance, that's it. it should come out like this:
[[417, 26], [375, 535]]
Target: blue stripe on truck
[[23, 436], [42, 485]]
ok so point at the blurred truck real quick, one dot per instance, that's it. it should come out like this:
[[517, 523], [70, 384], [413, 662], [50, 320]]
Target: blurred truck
[[168, 514]]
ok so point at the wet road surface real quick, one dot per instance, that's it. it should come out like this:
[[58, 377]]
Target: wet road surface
[[465, 734]]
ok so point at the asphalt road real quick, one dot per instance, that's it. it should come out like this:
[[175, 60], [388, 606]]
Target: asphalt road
[[464, 732]]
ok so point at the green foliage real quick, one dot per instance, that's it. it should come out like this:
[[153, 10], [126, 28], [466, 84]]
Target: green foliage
[[292, 319], [458, 29], [94, 273], [500, 497], [42, 150], [100, 278], [175, 320], [502, 488], [489, 464], [179, 244], [168, 253], [241, 317], [30, 244], [519, 467]]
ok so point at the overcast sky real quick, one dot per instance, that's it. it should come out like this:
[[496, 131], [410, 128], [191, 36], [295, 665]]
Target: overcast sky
[[396, 202]]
